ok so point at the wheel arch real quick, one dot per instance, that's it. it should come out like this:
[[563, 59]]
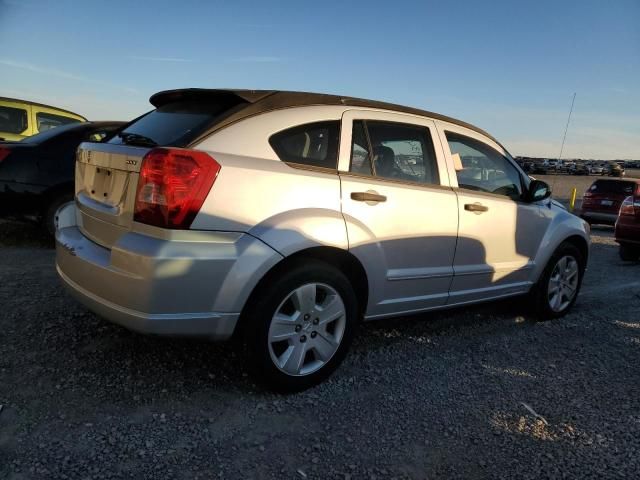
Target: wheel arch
[[581, 244], [341, 259]]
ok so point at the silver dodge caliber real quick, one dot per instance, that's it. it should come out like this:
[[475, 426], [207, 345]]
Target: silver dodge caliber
[[285, 218]]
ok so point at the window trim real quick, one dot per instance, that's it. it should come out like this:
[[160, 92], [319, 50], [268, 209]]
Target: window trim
[[372, 165], [409, 183], [369, 149], [313, 168]]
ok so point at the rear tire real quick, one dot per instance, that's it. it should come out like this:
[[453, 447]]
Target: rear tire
[[559, 285], [300, 325], [629, 253]]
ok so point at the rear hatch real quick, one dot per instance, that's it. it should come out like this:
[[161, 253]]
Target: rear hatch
[[606, 196], [107, 173]]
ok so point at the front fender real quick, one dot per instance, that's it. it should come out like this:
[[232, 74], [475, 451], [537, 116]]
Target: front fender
[[562, 225]]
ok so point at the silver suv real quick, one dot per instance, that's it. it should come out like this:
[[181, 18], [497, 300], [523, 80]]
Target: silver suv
[[285, 218]]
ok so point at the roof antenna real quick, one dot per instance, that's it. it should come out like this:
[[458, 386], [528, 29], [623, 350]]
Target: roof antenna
[[553, 184], [567, 127]]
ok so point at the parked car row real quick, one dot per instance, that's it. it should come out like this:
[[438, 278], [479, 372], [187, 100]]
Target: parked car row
[[20, 118], [286, 218], [550, 166]]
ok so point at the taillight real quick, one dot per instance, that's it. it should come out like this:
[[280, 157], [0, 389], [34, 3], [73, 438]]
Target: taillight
[[172, 186], [4, 151], [629, 206]]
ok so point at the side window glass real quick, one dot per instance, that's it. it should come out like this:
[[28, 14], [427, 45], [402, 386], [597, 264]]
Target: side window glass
[[360, 159], [47, 121], [13, 120], [403, 152], [313, 144], [480, 167]]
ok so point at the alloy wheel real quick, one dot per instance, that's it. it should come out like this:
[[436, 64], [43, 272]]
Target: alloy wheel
[[563, 283], [306, 329]]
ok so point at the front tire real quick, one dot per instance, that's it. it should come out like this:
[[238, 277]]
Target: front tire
[[300, 325], [559, 285]]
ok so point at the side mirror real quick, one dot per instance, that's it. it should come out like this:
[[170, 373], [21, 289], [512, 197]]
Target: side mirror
[[538, 190]]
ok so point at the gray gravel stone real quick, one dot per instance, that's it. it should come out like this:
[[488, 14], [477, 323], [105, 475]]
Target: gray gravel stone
[[435, 396]]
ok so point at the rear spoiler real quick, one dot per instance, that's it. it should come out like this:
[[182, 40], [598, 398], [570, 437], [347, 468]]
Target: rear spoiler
[[204, 94]]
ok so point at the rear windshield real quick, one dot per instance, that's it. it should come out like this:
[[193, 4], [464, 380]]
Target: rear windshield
[[613, 186], [174, 124]]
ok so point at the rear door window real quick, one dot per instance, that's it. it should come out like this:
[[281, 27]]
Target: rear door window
[[13, 120], [394, 151], [312, 144]]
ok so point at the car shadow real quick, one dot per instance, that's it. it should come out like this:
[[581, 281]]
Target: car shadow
[[23, 233]]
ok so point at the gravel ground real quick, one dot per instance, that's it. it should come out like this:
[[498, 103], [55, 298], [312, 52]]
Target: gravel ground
[[480, 392]]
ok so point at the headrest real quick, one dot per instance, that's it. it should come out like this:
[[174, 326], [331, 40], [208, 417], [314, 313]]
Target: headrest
[[384, 153]]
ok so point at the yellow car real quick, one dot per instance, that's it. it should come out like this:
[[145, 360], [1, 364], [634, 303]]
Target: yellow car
[[21, 118]]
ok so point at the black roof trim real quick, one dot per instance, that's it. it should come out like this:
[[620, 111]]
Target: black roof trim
[[19, 100], [261, 101], [181, 94]]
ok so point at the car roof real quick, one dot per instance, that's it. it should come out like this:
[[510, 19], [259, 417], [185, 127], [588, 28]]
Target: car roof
[[29, 102], [254, 102]]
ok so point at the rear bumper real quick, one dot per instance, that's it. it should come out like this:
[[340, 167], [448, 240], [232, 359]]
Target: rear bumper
[[598, 217], [165, 287], [218, 326]]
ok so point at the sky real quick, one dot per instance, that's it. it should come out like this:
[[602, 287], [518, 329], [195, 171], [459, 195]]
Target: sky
[[508, 66]]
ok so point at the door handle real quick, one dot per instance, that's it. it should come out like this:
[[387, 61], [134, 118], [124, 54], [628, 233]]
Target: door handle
[[475, 207], [368, 197]]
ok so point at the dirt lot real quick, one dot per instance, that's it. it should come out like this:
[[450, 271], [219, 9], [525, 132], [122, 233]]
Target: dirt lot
[[481, 392]]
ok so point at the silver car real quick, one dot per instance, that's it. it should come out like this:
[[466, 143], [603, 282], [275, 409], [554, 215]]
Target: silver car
[[286, 218]]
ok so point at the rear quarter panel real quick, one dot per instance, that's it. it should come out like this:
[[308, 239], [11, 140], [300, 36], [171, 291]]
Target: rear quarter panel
[[287, 207]]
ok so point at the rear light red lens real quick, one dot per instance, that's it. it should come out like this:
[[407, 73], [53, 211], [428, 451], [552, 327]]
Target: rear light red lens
[[4, 152], [172, 186], [629, 206]]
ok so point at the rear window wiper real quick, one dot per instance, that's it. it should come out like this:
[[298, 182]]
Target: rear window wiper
[[136, 139]]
